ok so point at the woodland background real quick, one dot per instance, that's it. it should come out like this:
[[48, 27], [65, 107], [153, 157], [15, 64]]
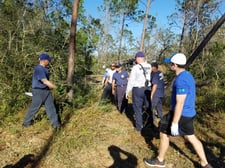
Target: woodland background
[[28, 28], [95, 134]]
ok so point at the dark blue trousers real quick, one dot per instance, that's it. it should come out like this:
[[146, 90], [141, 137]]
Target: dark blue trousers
[[120, 98], [39, 98], [140, 101], [107, 93], [157, 103]]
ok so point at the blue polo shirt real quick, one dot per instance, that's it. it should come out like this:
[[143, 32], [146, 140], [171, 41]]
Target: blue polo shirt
[[157, 79], [120, 78], [40, 73], [184, 83]]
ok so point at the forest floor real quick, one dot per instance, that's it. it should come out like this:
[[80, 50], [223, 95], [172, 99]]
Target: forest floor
[[98, 136]]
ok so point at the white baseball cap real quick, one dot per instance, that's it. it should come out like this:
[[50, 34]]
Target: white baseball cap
[[177, 58]]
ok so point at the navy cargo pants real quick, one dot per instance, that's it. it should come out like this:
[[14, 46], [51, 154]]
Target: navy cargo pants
[[42, 96], [140, 102], [121, 98]]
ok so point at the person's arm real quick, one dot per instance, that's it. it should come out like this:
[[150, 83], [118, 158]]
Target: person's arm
[[113, 86], [49, 84], [178, 107], [130, 82], [180, 99], [107, 79], [154, 87]]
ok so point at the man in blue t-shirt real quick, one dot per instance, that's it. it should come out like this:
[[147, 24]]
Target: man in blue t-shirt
[[41, 91], [157, 91], [119, 86], [179, 121]]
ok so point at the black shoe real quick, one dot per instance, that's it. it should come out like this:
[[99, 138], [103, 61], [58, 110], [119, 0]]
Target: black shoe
[[154, 162]]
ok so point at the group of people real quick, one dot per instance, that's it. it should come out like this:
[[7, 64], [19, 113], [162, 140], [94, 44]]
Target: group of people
[[115, 84], [146, 84], [142, 79]]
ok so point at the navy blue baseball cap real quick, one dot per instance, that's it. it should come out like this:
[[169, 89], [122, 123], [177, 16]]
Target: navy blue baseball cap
[[139, 54], [45, 57], [118, 65]]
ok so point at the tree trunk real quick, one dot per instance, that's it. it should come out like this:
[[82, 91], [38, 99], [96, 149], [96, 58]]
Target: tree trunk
[[181, 47], [144, 26], [206, 40], [121, 37], [71, 62]]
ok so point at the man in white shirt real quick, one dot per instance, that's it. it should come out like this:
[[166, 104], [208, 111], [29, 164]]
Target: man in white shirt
[[139, 84], [107, 92]]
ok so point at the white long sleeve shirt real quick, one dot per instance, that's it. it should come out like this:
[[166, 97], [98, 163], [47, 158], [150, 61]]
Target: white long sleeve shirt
[[137, 78]]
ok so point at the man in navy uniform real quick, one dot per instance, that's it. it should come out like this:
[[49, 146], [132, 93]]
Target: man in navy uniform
[[140, 73], [41, 91], [157, 91], [119, 85]]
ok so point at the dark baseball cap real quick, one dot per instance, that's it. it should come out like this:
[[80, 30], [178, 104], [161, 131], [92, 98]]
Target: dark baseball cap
[[118, 65], [154, 64], [139, 54], [45, 57]]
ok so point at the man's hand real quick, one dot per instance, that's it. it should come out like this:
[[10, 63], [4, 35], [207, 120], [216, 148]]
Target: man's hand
[[127, 96], [174, 129]]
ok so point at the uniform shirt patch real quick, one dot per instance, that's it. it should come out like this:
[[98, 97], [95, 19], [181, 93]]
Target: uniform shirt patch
[[180, 90]]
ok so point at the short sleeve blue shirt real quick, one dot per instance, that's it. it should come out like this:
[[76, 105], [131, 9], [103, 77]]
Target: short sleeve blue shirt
[[157, 78], [120, 78], [40, 73], [184, 83]]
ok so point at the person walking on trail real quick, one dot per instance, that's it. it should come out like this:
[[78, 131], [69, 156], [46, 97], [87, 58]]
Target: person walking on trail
[[179, 121], [105, 75], [107, 92], [41, 91], [139, 84], [119, 85], [157, 91]]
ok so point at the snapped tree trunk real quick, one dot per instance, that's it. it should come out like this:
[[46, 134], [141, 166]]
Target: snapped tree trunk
[[72, 44]]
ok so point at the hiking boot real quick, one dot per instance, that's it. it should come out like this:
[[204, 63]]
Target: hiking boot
[[154, 162], [207, 166]]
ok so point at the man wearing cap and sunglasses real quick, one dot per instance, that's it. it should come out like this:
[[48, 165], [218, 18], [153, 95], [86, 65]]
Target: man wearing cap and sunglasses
[[179, 121], [119, 85], [139, 84], [41, 91], [107, 92]]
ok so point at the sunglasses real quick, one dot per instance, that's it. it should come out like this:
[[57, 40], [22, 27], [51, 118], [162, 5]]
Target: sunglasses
[[172, 64]]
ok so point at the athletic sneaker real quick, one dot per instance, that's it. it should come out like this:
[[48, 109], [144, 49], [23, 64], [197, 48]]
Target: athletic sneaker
[[207, 166], [154, 162]]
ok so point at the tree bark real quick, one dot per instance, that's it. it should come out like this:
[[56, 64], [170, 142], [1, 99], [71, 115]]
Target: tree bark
[[144, 26], [121, 37], [72, 44]]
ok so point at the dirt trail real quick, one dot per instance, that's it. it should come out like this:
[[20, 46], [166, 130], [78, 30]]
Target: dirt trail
[[92, 138]]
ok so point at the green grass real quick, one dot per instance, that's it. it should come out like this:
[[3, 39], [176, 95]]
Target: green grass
[[97, 135]]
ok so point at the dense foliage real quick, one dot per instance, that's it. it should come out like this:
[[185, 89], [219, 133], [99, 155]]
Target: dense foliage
[[28, 28]]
